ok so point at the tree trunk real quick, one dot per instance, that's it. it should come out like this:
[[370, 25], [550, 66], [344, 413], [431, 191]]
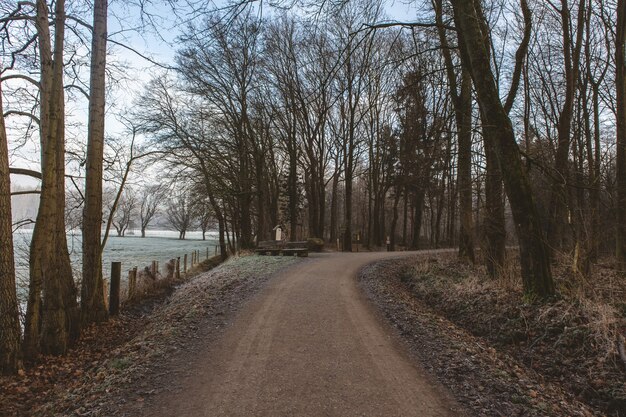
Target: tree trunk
[[620, 84], [462, 102], [534, 255], [50, 322], [334, 208], [9, 319], [405, 217], [394, 220], [347, 235], [464, 174], [559, 192], [418, 207], [92, 290], [493, 221]]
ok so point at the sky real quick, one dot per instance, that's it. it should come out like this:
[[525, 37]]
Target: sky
[[157, 40]]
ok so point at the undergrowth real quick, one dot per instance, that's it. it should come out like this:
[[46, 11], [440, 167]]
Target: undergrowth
[[572, 340]]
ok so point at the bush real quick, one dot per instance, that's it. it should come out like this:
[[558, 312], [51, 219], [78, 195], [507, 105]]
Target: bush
[[315, 244]]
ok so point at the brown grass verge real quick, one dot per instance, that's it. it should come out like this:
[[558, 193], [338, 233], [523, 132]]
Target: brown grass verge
[[572, 340]]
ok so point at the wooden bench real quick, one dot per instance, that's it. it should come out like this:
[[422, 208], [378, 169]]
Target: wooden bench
[[277, 247], [269, 247], [295, 249]]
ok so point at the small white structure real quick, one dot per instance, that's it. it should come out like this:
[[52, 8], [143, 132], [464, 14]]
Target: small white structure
[[278, 232]]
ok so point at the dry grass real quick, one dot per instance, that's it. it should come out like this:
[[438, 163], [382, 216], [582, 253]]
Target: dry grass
[[572, 338]]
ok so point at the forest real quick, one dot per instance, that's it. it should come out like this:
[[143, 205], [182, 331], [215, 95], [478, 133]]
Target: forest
[[474, 124]]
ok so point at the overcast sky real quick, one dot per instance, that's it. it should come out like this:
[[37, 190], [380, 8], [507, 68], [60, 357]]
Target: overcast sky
[[157, 41]]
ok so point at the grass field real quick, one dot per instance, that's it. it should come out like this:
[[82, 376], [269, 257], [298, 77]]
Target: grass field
[[132, 250]]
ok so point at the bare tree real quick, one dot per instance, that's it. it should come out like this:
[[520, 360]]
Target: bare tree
[[204, 215], [150, 199], [125, 211], [180, 211], [534, 255]]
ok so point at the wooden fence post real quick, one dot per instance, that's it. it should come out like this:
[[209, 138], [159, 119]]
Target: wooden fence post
[[114, 295], [153, 269], [207, 252], [132, 283], [178, 268], [185, 265], [215, 250]]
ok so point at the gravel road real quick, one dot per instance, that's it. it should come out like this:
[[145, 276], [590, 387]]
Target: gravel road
[[309, 344]]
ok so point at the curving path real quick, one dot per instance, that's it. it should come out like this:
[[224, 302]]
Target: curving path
[[308, 344]]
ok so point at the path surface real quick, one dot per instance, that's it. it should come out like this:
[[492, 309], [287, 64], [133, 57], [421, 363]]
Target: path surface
[[308, 345]]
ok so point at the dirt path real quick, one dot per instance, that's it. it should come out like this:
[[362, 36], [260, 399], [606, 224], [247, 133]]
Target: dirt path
[[308, 345]]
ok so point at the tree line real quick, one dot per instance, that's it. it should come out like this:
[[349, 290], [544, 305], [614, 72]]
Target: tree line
[[476, 125]]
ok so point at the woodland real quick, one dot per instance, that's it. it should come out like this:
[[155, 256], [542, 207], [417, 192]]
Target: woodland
[[474, 124]]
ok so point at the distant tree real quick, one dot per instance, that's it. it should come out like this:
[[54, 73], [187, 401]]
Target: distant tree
[[149, 201], [124, 213], [204, 215], [179, 214]]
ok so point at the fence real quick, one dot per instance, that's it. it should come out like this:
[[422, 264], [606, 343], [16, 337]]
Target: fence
[[150, 280]]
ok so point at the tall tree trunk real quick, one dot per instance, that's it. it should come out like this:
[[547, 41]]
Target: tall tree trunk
[[620, 84], [292, 187], [464, 174], [493, 220], [394, 219], [347, 235], [418, 207], [334, 208], [534, 254], [405, 217], [50, 324], [92, 290], [559, 193], [9, 320], [261, 184], [462, 101]]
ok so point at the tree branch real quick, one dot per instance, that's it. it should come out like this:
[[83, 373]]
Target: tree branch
[[21, 77], [520, 56], [382, 25], [21, 113], [24, 171], [26, 192]]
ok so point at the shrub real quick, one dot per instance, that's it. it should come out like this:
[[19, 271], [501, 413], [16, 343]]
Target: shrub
[[315, 244]]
